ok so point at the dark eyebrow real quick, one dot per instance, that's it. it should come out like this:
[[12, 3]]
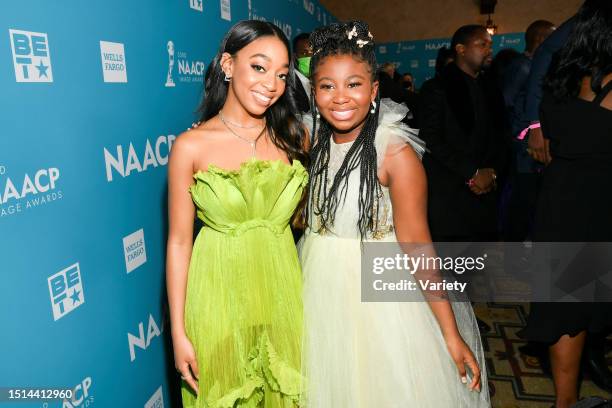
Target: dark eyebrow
[[264, 56], [356, 76], [349, 78]]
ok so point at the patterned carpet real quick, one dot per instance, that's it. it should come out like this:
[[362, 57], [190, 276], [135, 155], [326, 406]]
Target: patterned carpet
[[517, 380]]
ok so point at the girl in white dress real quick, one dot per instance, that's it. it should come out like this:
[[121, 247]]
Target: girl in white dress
[[368, 184]]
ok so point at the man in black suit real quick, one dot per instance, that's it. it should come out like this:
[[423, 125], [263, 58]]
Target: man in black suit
[[462, 121]]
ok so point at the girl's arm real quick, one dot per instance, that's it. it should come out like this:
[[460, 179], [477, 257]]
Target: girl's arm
[[181, 213], [405, 176]]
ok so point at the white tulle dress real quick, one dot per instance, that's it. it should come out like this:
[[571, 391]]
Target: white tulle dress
[[374, 355]]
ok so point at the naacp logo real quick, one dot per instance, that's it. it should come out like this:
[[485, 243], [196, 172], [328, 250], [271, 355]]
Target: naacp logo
[[170, 49], [141, 341], [81, 395], [414, 63], [226, 10], [309, 7], [196, 5], [66, 290], [28, 191], [436, 46], [505, 41], [188, 70], [31, 56], [382, 49], [156, 400], [113, 62], [286, 28], [125, 163], [134, 250]]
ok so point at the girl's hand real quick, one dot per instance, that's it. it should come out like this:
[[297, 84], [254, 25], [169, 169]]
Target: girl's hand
[[185, 361], [462, 356]]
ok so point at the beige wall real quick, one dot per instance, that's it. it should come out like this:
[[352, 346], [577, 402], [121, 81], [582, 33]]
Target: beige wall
[[395, 20]]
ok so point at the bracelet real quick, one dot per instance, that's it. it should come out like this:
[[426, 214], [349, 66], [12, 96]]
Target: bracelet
[[470, 182], [523, 133]]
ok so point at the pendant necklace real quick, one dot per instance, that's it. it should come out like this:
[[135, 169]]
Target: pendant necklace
[[252, 142]]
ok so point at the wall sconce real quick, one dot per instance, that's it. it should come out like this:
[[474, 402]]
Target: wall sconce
[[490, 26]]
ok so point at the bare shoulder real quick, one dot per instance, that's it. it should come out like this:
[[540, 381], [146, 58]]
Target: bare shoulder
[[193, 142], [401, 164], [185, 146]]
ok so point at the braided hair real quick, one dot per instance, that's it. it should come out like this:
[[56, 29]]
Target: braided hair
[[350, 38]]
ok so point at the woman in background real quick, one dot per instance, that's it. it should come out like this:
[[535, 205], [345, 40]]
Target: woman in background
[[573, 204]]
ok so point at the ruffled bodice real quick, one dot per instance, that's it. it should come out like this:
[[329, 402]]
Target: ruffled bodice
[[261, 194], [243, 307]]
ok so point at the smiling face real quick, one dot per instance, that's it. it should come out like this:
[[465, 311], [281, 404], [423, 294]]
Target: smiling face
[[344, 92], [258, 74]]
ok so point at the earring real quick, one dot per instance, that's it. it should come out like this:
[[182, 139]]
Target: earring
[[227, 79], [373, 110], [318, 115]]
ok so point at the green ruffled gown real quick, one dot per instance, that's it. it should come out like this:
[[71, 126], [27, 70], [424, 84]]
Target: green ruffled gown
[[243, 311]]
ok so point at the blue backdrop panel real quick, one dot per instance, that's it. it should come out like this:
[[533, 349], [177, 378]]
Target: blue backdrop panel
[[93, 94], [419, 57]]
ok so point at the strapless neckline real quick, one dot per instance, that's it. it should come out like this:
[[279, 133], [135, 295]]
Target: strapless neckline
[[260, 164]]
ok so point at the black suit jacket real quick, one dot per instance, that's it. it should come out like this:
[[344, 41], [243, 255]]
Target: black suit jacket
[[456, 149]]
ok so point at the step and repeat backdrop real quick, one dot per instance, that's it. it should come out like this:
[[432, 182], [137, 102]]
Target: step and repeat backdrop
[[419, 57], [93, 94]]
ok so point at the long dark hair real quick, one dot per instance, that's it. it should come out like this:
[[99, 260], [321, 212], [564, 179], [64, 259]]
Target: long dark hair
[[282, 124], [329, 41], [587, 52]]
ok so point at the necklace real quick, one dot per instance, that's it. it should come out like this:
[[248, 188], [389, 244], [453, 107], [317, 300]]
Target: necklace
[[238, 125], [252, 142]]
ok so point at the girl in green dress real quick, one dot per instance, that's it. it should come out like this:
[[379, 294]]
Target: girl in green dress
[[235, 293]]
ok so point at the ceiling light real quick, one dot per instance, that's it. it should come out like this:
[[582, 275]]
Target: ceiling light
[[490, 26]]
